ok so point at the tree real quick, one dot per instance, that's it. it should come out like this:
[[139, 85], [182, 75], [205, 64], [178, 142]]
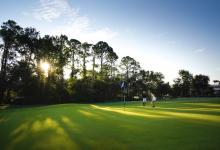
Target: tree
[[23, 49], [153, 81], [176, 88], [216, 81], [201, 85], [9, 33], [162, 89], [84, 54], [24, 83], [47, 51], [129, 68], [108, 67], [94, 65], [62, 54], [128, 64], [24, 77], [111, 59], [184, 83], [28, 43], [75, 46], [101, 49]]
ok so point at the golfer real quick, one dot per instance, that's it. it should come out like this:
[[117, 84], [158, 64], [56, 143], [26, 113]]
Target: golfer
[[144, 98], [144, 101], [153, 99]]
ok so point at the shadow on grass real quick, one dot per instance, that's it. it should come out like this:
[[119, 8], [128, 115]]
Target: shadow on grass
[[76, 126], [41, 134], [60, 127]]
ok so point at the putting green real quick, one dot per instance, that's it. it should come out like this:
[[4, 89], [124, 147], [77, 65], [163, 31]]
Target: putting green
[[187, 124]]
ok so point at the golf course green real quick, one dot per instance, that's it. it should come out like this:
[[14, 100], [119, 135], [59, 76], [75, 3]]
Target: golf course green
[[181, 124]]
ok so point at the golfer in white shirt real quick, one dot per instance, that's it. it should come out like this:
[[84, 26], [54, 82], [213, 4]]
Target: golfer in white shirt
[[144, 101], [153, 99]]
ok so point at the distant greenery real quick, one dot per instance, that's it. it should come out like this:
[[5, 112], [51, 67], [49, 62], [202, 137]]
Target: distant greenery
[[174, 124], [23, 81]]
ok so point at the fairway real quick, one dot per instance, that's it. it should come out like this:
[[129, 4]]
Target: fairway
[[187, 124]]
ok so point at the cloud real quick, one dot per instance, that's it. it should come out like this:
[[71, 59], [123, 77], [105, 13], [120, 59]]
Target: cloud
[[103, 33], [83, 34], [71, 22], [52, 9], [200, 50]]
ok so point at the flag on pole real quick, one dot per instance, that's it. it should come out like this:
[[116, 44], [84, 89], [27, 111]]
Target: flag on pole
[[122, 85], [123, 88]]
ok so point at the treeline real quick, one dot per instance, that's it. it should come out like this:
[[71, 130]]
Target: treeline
[[187, 85], [96, 73]]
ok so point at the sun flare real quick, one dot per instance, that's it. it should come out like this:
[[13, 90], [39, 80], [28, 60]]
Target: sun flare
[[45, 67]]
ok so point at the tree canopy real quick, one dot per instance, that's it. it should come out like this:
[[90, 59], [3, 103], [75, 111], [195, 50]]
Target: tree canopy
[[95, 72]]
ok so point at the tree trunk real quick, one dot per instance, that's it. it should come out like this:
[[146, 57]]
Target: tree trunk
[[101, 64], [84, 64], [73, 65], [29, 59], [111, 69], [93, 67], [3, 73]]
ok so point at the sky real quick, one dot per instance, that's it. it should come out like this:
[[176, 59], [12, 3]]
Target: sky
[[163, 35]]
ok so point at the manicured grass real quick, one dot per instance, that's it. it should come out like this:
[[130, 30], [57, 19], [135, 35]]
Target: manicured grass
[[183, 124]]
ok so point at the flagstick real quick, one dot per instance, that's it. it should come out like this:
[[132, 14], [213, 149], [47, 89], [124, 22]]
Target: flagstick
[[124, 98], [123, 91], [124, 102]]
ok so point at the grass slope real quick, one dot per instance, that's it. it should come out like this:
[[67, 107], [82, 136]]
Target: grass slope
[[182, 124]]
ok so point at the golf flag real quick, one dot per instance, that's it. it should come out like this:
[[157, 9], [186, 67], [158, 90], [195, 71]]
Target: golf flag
[[123, 88], [122, 85]]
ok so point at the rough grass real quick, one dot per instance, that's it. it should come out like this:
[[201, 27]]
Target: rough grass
[[187, 124]]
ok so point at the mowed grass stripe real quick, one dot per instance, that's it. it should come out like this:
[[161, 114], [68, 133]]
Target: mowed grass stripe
[[182, 124]]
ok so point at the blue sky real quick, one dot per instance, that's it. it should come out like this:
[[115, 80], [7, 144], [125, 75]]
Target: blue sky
[[163, 35]]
